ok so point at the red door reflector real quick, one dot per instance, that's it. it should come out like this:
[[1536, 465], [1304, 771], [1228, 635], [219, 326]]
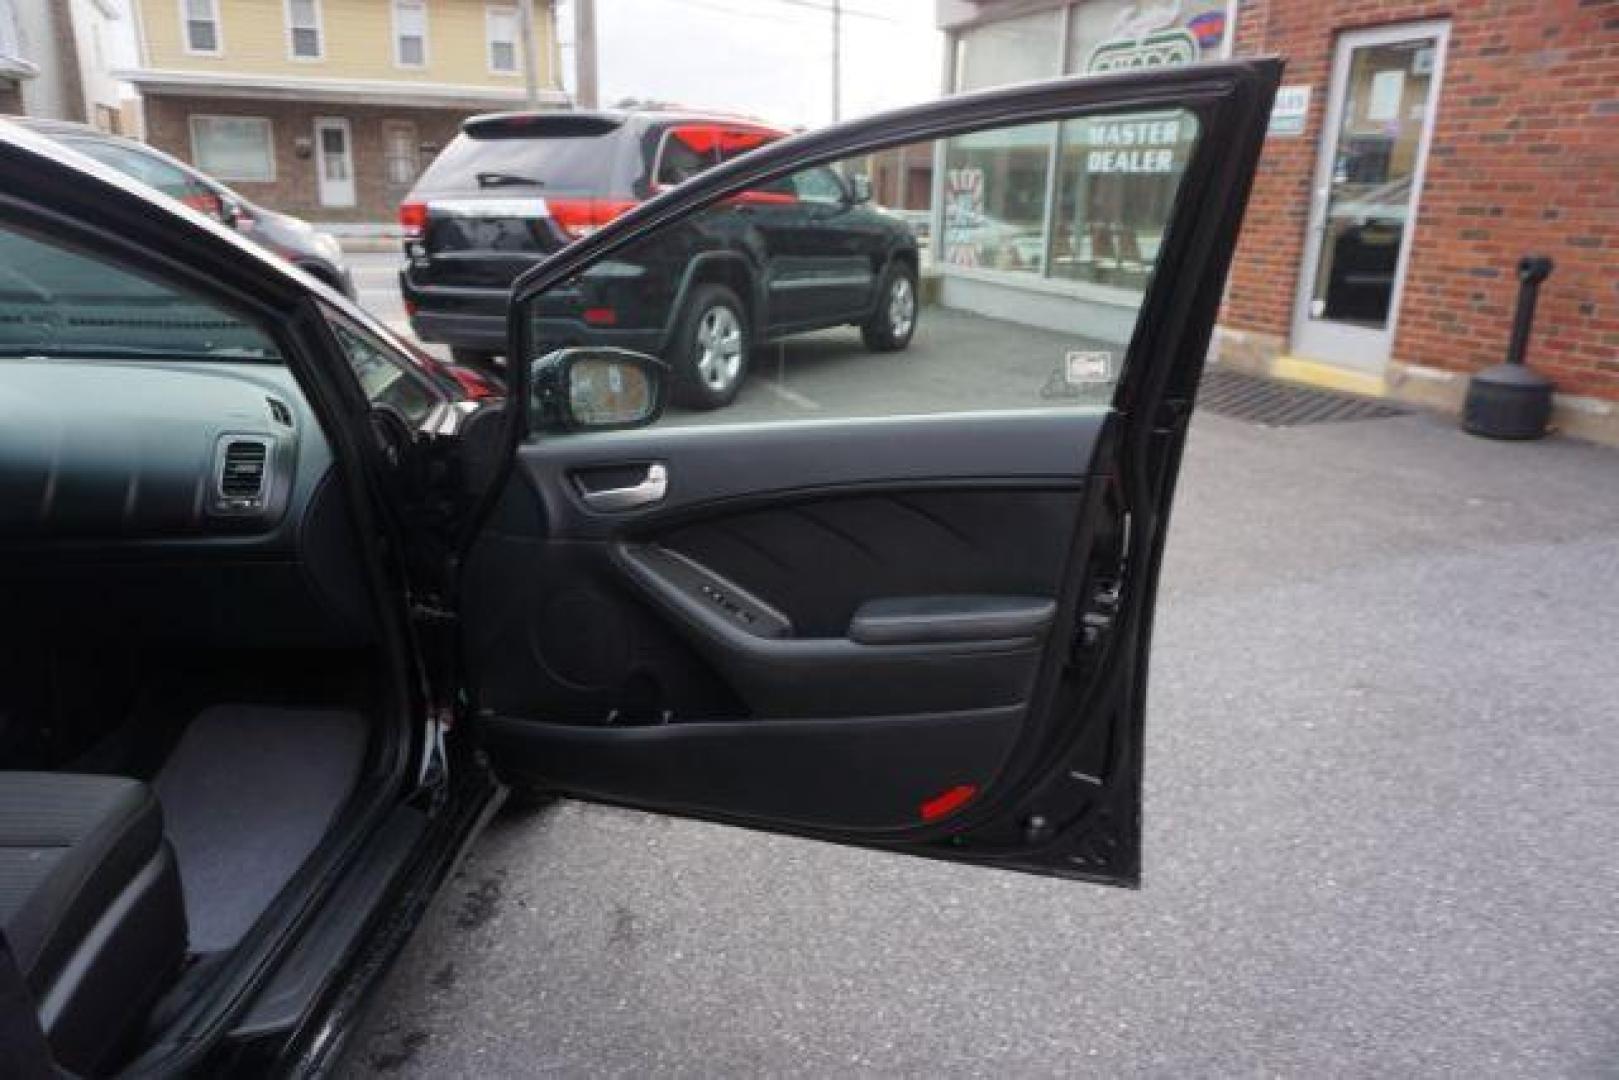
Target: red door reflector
[[948, 801]]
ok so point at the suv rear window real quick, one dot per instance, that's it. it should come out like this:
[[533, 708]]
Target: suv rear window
[[555, 163], [688, 149]]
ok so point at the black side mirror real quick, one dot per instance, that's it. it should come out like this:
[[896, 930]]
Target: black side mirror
[[596, 388], [859, 189]]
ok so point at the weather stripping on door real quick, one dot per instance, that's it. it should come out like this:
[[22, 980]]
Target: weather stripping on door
[[649, 490]]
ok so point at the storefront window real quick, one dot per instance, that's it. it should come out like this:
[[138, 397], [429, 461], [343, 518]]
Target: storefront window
[[995, 198], [1010, 51], [1116, 178], [995, 182]]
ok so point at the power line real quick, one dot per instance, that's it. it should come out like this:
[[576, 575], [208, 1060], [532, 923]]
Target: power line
[[808, 5], [754, 13]]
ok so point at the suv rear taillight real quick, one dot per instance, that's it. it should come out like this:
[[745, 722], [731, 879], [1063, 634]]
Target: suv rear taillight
[[581, 217], [413, 219]]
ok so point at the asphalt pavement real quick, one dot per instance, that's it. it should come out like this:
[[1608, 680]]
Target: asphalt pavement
[[1382, 820]]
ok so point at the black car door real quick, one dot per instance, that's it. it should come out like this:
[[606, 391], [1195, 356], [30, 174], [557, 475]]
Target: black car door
[[901, 600]]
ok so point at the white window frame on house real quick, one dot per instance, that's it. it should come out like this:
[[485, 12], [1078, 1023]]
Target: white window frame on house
[[10, 41], [292, 28], [398, 8], [184, 9], [490, 13], [269, 142]]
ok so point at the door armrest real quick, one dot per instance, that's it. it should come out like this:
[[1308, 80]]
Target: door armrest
[[919, 620]]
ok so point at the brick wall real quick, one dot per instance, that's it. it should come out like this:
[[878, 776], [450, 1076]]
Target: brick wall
[[295, 189], [1525, 158]]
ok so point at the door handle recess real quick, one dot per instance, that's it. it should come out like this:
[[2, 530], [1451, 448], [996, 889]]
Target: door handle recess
[[650, 490]]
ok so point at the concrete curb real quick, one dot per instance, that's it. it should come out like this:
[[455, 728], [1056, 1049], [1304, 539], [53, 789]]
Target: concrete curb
[[368, 245]]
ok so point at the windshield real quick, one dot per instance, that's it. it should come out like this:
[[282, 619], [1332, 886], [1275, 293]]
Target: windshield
[[56, 302]]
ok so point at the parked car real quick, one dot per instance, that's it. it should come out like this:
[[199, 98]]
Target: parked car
[[803, 253], [294, 239], [285, 613]]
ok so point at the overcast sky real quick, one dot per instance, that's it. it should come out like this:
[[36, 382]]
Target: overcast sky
[[767, 58]]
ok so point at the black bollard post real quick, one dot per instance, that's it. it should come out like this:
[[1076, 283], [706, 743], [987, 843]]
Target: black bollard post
[[1510, 401]]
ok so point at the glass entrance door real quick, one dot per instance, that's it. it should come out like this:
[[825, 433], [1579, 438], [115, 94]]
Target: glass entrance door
[[1373, 147]]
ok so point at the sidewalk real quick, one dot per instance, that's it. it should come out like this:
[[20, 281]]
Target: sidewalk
[[386, 239]]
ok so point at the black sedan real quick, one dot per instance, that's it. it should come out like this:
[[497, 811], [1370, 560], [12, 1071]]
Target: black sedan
[[287, 611]]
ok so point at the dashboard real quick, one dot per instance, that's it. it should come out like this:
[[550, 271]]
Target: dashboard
[[191, 500]]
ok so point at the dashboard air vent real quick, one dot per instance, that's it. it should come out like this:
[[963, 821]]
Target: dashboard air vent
[[242, 475]]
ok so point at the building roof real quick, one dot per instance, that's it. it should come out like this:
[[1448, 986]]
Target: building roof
[[352, 91]]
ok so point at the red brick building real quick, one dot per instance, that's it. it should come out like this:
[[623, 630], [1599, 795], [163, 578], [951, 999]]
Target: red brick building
[[1419, 150]]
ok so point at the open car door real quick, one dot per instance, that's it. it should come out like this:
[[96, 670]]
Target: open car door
[[895, 597]]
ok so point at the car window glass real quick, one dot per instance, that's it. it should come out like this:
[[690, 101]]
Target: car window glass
[[153, 172], [1002, 269], [689, 149], [734, 142], [549, 163], [679, 161], [149, 170], [56, 302], [384, 375]]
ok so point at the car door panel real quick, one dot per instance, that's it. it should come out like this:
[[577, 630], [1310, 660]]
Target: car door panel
[[712, 467], [921, 632], [839, 520], [874, 777]]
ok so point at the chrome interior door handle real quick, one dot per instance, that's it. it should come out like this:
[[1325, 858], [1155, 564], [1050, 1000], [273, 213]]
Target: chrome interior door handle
[[648, 491]]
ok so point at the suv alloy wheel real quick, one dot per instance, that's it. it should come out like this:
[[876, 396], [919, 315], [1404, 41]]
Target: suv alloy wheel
[[710, 352], [893, 318]]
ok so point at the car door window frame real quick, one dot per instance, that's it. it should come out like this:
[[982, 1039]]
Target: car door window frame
[[343, 325], [1204, 91]]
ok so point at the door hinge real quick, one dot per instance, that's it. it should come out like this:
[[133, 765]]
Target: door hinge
[[1097, 618], [435, 772], [437, 629]]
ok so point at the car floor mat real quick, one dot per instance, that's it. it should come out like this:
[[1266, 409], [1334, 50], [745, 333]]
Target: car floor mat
[[247, 795]]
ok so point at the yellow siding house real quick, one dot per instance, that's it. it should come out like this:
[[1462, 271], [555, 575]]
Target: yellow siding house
[[329, 108]]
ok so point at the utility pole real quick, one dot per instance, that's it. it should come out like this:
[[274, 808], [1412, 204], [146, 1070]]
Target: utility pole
[[525, 29], [584, 53], [837, 60]]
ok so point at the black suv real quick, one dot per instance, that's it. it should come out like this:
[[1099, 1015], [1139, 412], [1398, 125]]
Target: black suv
[[802, 253]]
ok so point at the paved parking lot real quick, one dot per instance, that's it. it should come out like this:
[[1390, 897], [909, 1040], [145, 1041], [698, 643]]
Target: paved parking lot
[[1381, 817]]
